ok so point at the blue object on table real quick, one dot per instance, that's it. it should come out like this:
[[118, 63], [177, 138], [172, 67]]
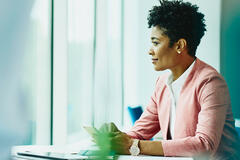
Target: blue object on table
[[135, 112]]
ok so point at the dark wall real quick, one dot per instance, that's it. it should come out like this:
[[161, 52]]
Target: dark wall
[[230, 50]]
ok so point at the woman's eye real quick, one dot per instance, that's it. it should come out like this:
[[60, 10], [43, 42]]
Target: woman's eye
[[155, 43]]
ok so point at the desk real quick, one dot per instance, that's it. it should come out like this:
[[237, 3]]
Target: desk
[[85, 145], [142, 157], [72, 149]]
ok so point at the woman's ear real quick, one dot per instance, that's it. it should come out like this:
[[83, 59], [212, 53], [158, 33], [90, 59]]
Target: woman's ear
[[181, 45]]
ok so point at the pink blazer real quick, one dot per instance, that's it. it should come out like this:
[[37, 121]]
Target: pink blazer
[[204, 120]]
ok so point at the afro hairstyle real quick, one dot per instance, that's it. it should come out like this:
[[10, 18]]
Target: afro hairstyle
[[178, 20]]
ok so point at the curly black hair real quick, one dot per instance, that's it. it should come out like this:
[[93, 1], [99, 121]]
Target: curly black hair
[[178, 20]]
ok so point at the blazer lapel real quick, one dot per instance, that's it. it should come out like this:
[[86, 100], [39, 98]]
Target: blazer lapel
[[165, 129]]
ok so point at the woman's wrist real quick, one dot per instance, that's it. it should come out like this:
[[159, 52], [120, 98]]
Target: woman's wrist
[[129, 144], [151, 147]]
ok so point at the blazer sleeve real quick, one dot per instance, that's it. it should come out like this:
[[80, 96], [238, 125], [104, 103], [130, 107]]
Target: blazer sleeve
[[214, 100], [148, 124]]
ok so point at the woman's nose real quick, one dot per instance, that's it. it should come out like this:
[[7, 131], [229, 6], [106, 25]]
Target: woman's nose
[[150, 52]]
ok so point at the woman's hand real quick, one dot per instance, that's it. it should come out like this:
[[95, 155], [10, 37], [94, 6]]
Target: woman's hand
[[121, 142], [108, 127], [104, 135], [111, 138]]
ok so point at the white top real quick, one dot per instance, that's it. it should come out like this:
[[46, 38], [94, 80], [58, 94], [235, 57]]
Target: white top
[[175, 89]]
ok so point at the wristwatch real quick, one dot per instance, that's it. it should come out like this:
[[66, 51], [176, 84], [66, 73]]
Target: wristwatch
[[134, 149]]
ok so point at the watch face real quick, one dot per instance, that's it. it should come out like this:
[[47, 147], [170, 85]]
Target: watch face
[[134, 150]]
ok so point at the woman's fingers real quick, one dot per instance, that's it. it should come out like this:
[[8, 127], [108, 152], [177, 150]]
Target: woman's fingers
[[108, 127], [116, 141], [113, 127]]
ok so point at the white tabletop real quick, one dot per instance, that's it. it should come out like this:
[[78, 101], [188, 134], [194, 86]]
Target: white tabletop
[[75, 149], [142, 157]]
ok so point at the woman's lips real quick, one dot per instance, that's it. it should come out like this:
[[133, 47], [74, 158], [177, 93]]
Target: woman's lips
[[154, 60]]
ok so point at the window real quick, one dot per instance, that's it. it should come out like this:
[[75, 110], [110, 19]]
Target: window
[[89, 77], [80, 64], [36, 78], [25, 68]]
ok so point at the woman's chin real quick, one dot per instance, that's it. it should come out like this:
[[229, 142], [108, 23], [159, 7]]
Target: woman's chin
[[157, 68]]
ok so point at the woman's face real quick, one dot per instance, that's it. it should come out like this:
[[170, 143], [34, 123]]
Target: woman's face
[[163, 56]]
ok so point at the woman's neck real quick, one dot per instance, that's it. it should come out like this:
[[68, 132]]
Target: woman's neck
[[184, 64]]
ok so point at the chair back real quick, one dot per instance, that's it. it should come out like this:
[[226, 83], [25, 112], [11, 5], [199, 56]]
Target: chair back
[[135, 112]]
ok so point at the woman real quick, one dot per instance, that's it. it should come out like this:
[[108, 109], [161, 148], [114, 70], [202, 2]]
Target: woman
[[191, 105]]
